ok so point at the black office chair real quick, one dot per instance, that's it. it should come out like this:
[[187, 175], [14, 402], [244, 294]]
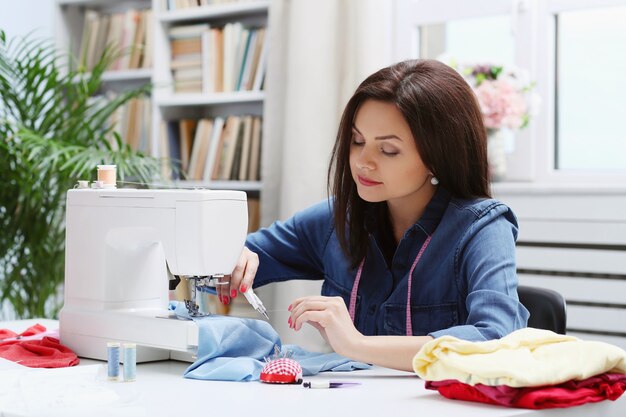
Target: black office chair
[[546, 307]]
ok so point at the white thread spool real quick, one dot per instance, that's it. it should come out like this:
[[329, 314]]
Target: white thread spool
[[82, 184]]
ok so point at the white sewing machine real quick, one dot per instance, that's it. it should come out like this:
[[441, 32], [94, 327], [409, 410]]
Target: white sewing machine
[[119, 246]]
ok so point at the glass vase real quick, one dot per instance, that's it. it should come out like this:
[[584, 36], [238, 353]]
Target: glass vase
[[496, 152]]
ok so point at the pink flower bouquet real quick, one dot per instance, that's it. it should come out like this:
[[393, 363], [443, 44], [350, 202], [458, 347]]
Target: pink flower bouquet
[[504, 95]]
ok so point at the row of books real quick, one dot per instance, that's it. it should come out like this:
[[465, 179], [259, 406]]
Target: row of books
[[207, 59], [129, 34], [213, 149], [132, 122], [186, 4]]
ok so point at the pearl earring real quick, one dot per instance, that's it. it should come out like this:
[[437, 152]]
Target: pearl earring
[[434, 181]]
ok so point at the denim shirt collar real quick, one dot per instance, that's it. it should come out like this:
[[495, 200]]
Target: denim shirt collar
[[433, 214], [428, 222], [379, 228]]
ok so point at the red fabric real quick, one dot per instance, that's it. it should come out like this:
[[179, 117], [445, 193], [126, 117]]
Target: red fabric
[[6, 333], [32, 330], [44, 353], [608, 386]]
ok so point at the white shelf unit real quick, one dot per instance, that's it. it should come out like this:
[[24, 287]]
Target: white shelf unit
[[141, 75], [167, 105], [173, 106], [203, 13], [215, 99]]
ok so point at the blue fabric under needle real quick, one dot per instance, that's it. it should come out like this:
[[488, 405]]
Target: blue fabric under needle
[[233, 349]]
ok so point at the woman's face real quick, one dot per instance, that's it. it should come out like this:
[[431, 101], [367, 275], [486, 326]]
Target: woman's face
[[384, 161]]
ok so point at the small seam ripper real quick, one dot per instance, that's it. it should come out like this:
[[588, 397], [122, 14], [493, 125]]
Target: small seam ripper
[[255, 302]]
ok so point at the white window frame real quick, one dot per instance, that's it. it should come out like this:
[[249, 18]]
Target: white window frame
[[532, 161]]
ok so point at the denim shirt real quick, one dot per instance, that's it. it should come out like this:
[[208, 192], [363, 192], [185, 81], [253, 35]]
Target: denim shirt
[[464, 285]]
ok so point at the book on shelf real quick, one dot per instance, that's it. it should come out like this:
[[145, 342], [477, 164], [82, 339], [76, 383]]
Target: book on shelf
[[128, 34], [242, 173], [186, 52], [233, 43], [138, 41], [163, 148], [212, 58], [200, 149], [229, 146], [145, 142], [207, 59], [244, 74], [233, 172], [148, 44], [187, 130], [114, 34], [213, 149], [259, 76], [173, 147], [132, 122], [87, 42], [240, 56], [185, 46], [131, 131], [255, 150], [254, 65]]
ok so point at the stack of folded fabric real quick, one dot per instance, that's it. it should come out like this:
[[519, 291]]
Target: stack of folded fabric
[[529, 368]]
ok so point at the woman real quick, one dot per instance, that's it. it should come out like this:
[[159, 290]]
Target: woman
[[410, 246]]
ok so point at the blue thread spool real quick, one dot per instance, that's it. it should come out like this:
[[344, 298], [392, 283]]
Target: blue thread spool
[[113, 360], [130, 362]]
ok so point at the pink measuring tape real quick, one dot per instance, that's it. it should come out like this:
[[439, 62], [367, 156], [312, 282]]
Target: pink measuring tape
[[355, 288]]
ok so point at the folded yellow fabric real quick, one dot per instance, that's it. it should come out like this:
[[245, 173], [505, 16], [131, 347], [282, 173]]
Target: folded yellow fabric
[[525, 358]]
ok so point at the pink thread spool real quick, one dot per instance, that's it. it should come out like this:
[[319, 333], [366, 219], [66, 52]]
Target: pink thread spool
[[106, 174]]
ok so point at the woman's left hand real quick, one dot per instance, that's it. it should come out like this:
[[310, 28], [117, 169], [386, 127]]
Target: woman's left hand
[[330, 316]]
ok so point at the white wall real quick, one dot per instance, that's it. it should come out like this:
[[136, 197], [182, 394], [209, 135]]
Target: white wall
[[18, 18]]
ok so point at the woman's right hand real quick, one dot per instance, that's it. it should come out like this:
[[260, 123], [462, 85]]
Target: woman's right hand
[[241, 278]]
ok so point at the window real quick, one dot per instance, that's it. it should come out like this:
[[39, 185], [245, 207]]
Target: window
[[590, 89], [479, 39], [575, 51]]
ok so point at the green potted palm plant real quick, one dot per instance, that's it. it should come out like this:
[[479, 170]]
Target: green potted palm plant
[[52, 132]]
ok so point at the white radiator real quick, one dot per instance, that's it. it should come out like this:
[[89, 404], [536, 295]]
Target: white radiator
[[574, 241]]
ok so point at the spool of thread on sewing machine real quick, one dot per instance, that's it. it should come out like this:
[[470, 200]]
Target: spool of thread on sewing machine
[[107, 174], [113, 360], [130, 362]]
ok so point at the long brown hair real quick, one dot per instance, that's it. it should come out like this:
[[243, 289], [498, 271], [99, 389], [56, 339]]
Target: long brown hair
[[445, 120]]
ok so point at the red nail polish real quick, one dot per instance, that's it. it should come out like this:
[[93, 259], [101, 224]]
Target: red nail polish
[[289, 321], [289, 308], [226, 300], [233, 293], [243, 288], [219, 297]]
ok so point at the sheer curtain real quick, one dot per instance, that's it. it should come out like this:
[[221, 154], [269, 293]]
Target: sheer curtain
[[321, 50]]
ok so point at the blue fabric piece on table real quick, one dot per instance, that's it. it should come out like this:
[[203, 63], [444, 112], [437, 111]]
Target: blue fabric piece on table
[[233, 349]]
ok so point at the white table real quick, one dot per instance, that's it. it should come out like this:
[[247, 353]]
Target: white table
[[160, 390]]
